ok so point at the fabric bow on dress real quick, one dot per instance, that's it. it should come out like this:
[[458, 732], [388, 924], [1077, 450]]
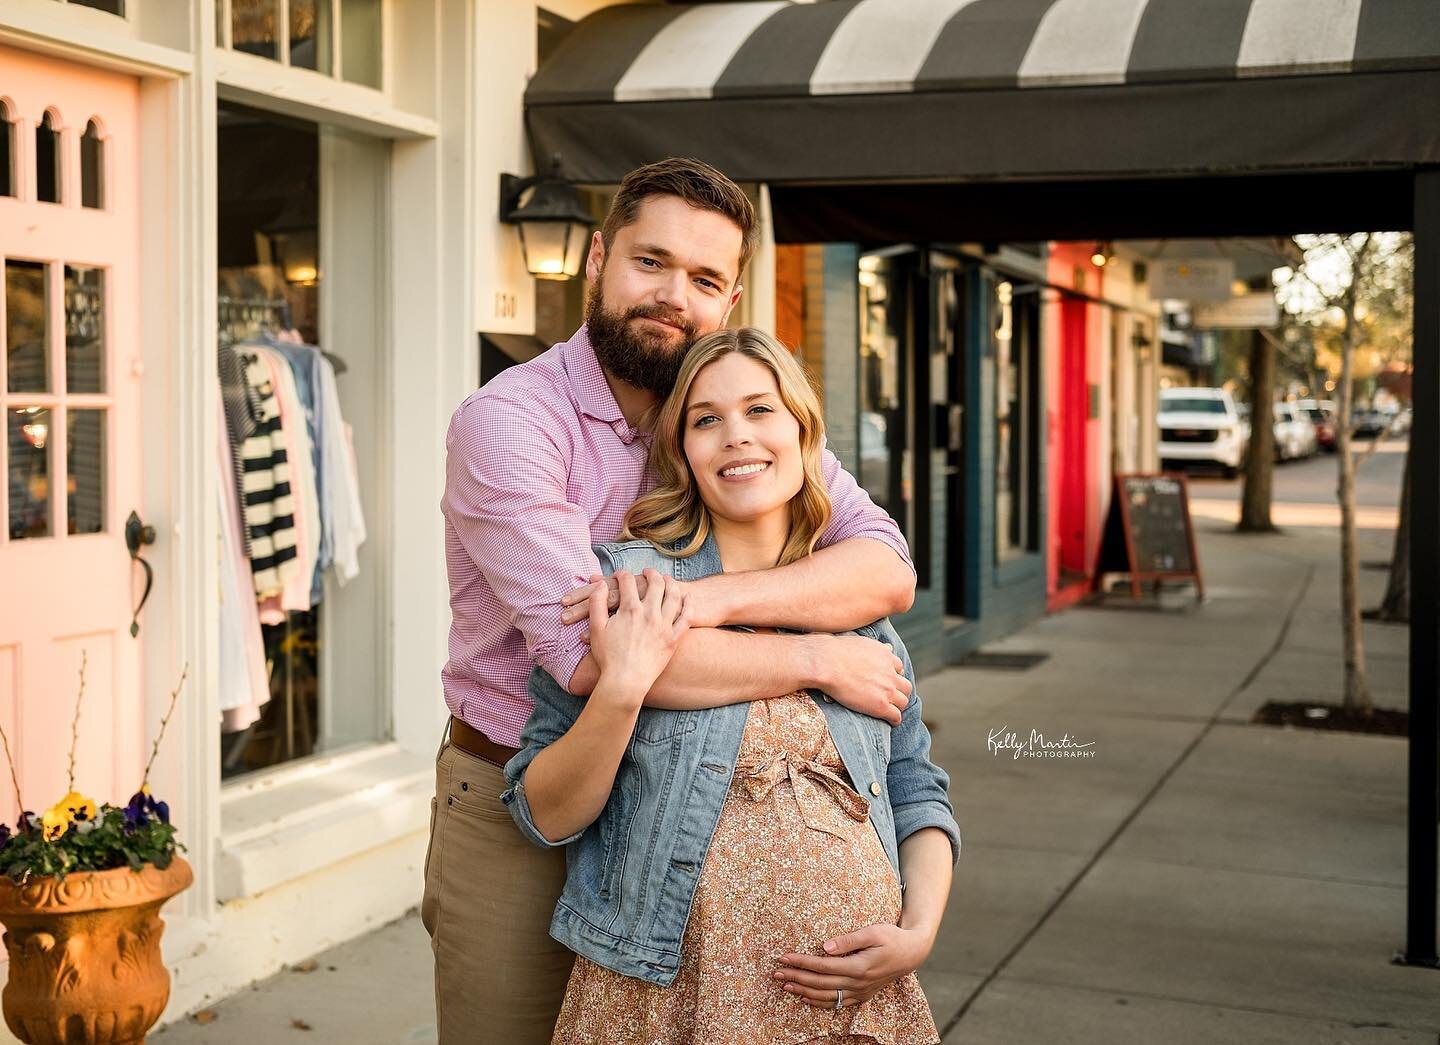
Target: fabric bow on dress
[[811, 782]]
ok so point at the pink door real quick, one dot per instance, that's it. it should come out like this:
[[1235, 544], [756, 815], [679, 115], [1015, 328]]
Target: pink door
[[1074, 415], [70, 371]]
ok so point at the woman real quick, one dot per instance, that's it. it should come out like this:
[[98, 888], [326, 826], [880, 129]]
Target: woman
[[734, 873]]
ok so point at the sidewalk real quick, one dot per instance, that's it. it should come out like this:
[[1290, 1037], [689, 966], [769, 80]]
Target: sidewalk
[[1198, 880]]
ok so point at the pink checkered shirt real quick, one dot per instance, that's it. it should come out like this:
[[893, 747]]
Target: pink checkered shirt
[[540, 465]]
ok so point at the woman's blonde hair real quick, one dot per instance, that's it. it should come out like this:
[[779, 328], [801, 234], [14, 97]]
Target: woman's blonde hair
[[673, 510]]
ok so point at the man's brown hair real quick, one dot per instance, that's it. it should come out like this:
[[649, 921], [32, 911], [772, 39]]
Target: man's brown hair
[[698, 184]]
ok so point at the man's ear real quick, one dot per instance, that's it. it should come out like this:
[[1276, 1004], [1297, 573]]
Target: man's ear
[[739, 289], [595, 260]]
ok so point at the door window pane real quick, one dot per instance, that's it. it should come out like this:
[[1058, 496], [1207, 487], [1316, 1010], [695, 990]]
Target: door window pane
[[310, 38], [114, 7], [27, 363], [360, 41], [7, 152], [84, 330], [27, 437], [254, 26], [92, 167], [85, 470], [47, 161]]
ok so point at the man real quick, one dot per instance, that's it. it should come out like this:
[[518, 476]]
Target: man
[[541, 464]]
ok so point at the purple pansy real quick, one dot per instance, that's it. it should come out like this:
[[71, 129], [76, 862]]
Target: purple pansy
[[144, 807]]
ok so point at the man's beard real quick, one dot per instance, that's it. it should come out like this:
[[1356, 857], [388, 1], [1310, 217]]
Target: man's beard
[[639, 356]]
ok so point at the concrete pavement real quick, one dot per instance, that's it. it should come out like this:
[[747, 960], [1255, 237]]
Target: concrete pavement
[[1198, 879]]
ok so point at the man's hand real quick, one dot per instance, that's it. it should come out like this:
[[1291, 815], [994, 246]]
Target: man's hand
[[859, 964], [863, 674], [574, 602]]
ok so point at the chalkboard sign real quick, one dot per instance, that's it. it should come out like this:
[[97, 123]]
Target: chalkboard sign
[[1148, 533]]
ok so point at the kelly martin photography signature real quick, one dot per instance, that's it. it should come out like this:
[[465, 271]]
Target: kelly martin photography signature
[[1036, 746]]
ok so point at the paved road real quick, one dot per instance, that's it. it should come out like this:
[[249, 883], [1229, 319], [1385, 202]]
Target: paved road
[[1312, 481], [1304, 494]]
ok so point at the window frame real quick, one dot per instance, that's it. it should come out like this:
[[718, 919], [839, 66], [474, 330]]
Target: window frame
[[225, 41]]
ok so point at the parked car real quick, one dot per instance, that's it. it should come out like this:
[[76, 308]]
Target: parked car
[[1403, 420], [1369, 424], [1322, 414], [1294, 433], [1202, 426]]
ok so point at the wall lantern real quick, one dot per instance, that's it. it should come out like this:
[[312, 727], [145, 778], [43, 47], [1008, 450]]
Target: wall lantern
[[1102, 255], [553, 224]]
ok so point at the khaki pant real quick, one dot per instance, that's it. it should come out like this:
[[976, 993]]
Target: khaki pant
[[489, 897]]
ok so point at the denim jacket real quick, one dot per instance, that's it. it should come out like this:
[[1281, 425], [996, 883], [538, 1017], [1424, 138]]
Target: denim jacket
[[632, 874]]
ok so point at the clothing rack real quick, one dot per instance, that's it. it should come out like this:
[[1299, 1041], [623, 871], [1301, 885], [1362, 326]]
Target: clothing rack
[[241, 318]]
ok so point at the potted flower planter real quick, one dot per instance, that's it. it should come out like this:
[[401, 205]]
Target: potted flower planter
[[85, 965]]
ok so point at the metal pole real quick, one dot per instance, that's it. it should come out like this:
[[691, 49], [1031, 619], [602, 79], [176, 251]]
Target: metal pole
[[1424, 805]]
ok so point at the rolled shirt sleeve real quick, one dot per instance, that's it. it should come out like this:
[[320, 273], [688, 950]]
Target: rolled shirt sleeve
[[507, 473], [853, 514]]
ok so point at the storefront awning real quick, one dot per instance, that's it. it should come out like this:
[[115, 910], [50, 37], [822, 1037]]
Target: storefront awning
[[945, 90]]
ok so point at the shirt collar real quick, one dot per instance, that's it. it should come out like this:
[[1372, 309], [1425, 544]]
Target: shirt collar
[[587, 380], [593, 392]]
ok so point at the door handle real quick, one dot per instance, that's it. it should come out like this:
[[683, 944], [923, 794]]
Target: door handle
[[137, 535]]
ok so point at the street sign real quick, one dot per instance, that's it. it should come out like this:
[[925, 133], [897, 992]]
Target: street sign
[[1148, 533], [1191, 279], [1245, 312]]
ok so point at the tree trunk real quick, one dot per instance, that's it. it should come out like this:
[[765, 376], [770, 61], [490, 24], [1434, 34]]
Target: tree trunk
[[1357, 691], [1260, 465], [1395, 607]]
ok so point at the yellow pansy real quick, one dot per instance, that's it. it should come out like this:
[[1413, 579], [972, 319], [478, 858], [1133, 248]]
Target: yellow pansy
[[54, 824], [78, 807]]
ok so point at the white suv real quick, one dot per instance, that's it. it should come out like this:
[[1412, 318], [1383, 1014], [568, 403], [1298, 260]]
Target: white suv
[[1202, 426]]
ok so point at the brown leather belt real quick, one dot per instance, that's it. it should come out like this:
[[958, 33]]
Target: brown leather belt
[[473, 742]]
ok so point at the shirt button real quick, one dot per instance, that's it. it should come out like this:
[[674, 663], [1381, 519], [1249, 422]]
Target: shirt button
[[875, 788]]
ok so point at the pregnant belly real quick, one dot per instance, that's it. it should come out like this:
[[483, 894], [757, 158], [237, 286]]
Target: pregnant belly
[[773, 883]]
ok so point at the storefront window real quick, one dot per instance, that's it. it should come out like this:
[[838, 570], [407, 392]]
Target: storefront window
[[883, 431], [302, 34], [1016, 342], [295, 378]]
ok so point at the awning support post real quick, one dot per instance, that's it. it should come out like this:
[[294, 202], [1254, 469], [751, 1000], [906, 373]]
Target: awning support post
[[1424, 797]]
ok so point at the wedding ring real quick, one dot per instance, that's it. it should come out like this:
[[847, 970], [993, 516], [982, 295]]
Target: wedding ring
[[839, 996]]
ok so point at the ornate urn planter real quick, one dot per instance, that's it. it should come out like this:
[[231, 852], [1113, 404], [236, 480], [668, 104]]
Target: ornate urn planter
[[85, 966]]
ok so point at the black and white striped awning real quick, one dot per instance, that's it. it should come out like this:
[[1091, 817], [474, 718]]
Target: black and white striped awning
[[864, 90]]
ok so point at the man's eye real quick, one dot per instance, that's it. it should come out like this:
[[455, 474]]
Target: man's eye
[[649, 262], [707, 284]]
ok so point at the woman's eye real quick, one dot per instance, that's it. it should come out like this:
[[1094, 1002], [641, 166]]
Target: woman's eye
[[703, 422], [762, 408]]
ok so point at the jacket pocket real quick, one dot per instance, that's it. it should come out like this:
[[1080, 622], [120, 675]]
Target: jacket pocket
[[656, 725]]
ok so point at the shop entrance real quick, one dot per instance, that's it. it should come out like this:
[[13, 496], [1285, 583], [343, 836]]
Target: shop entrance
[[71, 358]]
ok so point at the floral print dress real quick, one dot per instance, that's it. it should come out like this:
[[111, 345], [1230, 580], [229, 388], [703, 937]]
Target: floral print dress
[[794, 862]]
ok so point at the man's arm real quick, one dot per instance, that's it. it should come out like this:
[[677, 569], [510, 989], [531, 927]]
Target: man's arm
[[711, 668], [506, 477], [860, 571]]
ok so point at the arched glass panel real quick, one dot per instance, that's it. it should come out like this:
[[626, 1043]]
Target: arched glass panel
[[92, 167], [7, 151], [47, 160]]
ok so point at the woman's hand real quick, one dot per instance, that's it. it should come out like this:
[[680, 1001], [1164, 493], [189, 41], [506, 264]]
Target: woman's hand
[[859, 963], [633, 646]]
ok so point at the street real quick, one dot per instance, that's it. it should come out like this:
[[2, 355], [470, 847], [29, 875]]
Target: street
[[1304, 491]]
